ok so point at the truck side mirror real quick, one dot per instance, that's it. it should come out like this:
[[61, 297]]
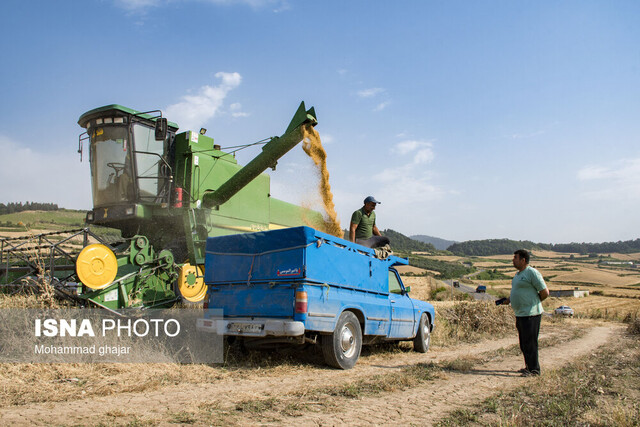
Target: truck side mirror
[[161, 128], [407, 289]]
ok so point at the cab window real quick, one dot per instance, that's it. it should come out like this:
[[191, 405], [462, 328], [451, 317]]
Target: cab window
[[394, 283]]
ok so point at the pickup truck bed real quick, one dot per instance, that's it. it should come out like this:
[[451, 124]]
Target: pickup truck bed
[[300, 285]]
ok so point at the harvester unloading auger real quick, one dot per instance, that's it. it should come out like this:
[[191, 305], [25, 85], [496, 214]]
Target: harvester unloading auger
[[166, 193]]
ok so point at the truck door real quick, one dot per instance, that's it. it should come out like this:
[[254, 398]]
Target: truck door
[[402, 319]]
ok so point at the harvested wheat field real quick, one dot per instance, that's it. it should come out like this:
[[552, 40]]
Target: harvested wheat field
[[389, 384], [404, 269], [598, 276], [597, 306], [421, 287], [474, 356]]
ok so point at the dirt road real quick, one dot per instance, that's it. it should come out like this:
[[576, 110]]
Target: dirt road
[[308, 396]]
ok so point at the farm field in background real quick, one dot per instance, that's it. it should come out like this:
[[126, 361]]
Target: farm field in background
[[41, 221], [613, 284]]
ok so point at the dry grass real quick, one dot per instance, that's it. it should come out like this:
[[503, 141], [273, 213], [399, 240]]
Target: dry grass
[[471, 321], [598, 307], [404, 269], [22, 383], [422, 287], [600, 389], [456, 322]]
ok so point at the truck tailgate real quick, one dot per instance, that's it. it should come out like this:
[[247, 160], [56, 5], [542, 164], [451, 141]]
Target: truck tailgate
[[261, 300]]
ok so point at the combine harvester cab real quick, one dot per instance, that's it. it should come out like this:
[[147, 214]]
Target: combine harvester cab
[[166, 192]]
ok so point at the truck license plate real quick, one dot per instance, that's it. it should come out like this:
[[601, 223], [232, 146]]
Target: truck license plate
[[245, 327]]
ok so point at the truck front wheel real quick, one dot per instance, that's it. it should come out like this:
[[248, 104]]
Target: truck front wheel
[[341, 349], [423, 337]]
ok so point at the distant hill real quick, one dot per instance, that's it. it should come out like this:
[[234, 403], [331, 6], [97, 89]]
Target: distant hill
[[507, 247], [490, 247], [400, 242], [440, 244], [627, 246]]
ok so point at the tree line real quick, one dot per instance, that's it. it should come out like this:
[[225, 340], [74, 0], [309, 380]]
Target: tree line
[[506, 247], [27, 206], [446, 269], [626, 246]]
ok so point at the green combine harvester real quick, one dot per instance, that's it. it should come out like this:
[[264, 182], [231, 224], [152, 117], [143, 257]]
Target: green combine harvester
[[166, 192]]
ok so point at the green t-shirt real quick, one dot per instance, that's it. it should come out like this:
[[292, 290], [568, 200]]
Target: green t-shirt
[[365, 223], [525, 286]]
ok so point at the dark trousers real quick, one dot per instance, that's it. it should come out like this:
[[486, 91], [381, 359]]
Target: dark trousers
[[374, 241], [528, 331]]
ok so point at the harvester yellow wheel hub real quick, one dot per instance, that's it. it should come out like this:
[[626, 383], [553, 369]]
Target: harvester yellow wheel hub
[[191, 283], [96, 266]]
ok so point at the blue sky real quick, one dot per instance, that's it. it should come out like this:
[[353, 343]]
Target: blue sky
[[467, 119]]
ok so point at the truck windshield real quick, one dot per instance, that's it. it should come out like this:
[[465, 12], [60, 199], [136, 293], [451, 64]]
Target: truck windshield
[[111, 174]]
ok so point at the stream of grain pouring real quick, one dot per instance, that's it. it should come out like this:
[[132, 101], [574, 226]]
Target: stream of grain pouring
[[313, 147]]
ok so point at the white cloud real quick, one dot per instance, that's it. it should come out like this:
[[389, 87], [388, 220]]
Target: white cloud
[[381, 106], [617, 181], [327, 138], [136, 5], [591, 172], [194, 110], [236, 110], [408, 187], [371, 92], [527, 135], [421, 151], [47, 177], [279, 5], [140, 5]]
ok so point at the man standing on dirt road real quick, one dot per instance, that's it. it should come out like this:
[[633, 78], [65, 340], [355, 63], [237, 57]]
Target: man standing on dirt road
[[528, 290], [363, 229]]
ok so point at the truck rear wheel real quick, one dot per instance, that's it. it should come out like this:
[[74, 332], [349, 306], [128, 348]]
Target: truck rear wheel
[[342, 348], [423, 336]]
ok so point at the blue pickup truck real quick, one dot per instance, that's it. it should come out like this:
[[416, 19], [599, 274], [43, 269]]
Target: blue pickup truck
[[300, 285]]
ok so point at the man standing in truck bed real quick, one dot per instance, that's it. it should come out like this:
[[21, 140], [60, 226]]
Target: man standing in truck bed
[[363, 229]]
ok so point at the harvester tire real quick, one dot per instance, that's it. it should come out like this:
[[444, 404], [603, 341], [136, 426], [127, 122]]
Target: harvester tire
[[191, 286], [96, 266]]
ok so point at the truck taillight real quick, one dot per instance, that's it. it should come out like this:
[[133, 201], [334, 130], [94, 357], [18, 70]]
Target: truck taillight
[[205, 304], [301, 302], [177, 197]]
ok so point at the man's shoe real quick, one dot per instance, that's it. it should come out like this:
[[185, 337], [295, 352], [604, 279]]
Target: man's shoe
[[528, 373]]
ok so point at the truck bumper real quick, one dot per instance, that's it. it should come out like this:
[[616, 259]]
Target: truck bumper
[[252, 327]]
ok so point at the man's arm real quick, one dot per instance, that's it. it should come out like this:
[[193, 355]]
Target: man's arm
[[352, 232], [375, 230], [538, 283], [544, 294]]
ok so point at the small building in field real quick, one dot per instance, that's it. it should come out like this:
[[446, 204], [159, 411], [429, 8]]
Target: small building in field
[[571, 293]]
